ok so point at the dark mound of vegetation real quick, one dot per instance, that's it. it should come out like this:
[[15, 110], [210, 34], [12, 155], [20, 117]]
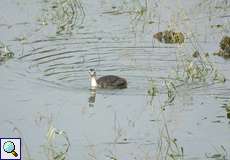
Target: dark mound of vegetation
[[224, 47], [198, 54], [225, 44], [170, 37]]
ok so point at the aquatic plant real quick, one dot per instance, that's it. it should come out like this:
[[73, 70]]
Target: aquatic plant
[[224, 47], [171, 91], [225, 44], [5, 53], [53, 150], [65, 14], [190, 70], [168, 147], [195, 69], [169, 37], [56, 152], [152, 89]]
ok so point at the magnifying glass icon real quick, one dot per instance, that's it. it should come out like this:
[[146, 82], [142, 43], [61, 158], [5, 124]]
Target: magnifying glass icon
[[9, 147]]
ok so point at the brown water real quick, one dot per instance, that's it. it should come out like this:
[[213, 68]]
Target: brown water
[[47, 81]]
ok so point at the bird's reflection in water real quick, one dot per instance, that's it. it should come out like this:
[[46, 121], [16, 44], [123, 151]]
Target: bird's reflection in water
[[92, 97]]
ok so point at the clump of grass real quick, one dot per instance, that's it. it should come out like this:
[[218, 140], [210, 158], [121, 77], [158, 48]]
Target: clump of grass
[[54, 151], [222, 54], [196, 69], [193, 70], [224, 47], [170, 37], [219, 77], [5, 53], [65, 14], [225, 44]]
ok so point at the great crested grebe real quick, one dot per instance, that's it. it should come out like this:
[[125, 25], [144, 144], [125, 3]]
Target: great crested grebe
[[109, 81]]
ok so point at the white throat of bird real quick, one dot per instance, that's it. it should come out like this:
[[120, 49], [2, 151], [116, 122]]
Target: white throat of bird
[[93, 82]]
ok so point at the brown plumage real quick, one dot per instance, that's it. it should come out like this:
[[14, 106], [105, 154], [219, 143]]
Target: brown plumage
[[112, 81]]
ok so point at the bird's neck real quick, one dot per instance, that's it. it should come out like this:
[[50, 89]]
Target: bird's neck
[[93, 83]]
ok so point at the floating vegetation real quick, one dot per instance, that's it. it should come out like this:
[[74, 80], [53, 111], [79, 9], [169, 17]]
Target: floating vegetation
[[224, 47], [170, 37], [5, 53], [225, 44], [197, 54], [65, 14], [54, 151]]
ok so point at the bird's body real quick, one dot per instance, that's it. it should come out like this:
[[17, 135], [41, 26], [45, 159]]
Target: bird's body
[[112, 81], [109, 81]]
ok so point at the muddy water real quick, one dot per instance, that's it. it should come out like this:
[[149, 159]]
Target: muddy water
[[47, 83]]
